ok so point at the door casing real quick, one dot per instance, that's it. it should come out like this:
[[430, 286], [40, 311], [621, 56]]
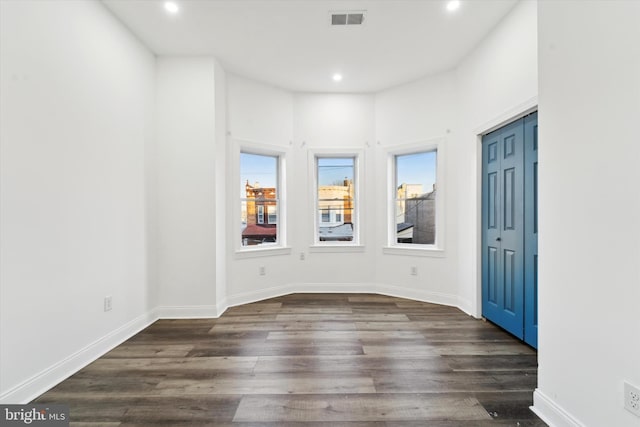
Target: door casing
[[511, 114]]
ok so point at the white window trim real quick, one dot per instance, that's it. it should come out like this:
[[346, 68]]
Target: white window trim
[[282, 153], [358, 174], [412, 249]]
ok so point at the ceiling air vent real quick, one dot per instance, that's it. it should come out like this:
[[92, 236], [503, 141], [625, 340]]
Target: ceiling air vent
[[351, 17]]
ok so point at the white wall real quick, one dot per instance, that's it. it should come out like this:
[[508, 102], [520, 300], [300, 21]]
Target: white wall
[[419, 112], [496, 82], [589, 279], [185, 190], [258, 112], [340, 122], [333, 120], [76, 97]]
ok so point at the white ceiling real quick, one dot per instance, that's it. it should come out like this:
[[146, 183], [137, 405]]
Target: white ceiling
[[290, 44]]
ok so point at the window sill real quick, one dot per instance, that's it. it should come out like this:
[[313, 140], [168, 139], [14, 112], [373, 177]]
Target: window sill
[[409, 251], [262, 252], [336, 248]]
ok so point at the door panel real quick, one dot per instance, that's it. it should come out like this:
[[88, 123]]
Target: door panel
[[492, 202], [493, 152], [492, 275], [509, 281], [509, 145], [509, 199]]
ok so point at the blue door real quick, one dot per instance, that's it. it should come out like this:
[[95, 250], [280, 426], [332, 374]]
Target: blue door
[[509, 228], [531, 230]]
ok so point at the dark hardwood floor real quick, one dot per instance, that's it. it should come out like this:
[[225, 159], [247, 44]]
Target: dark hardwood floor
[[311, 360]]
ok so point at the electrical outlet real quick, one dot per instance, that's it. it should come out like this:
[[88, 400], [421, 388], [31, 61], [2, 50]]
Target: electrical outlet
[[632, 399], [107, 303], [414, 271], [302, 256], [262, 270]]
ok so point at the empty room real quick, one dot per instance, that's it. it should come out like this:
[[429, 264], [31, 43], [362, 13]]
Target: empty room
[[320, 212]]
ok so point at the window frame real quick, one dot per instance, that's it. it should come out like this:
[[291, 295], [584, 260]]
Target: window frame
[[281, 154], [356, 244], [393, 247]]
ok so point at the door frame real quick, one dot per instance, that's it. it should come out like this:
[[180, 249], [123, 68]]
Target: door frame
[[518, 112]]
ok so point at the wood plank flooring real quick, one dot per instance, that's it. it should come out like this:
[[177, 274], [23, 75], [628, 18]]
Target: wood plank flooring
[[311, 360]]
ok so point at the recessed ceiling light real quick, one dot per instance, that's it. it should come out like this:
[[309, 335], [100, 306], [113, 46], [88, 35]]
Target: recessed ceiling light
[[453, 5], [171, 7], [337, 77]]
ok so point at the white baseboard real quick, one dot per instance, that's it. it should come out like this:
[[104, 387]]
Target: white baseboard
[[41, 382], [186, 312], [551, 413], [259, 295], [373, 288], [334, 288], [296, 288], [466, 306], [418, 295], [222, 306]]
